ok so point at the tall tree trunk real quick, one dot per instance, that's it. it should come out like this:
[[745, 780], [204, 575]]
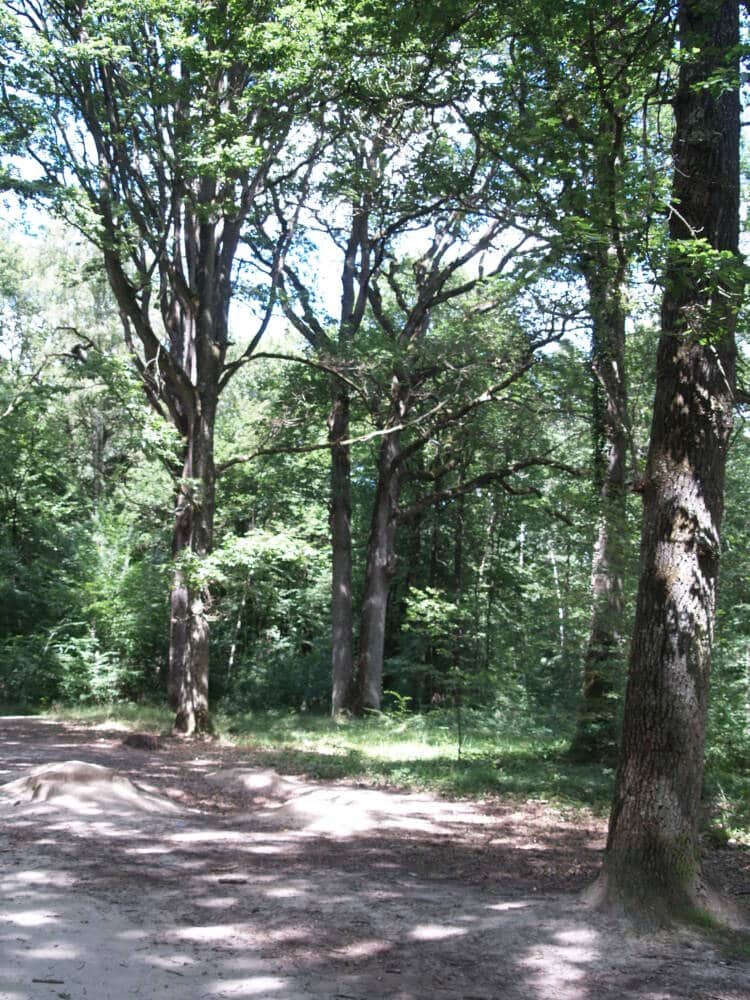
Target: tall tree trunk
[[193, 534], [595, 737], [458, 540], [433, 573], [559, 599], [179, 602], [652, 858], [237, 628], [342, 653], [483, 591], [379, 570]]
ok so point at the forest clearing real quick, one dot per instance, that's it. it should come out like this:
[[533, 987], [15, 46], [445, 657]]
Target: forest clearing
[[373, 445], [221, 878]]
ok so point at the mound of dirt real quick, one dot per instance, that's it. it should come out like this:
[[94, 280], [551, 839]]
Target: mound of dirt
[[260, 782], [338, 810], [344, 812], [84, 787]]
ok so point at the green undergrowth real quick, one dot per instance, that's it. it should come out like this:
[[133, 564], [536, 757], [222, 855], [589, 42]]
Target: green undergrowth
[[420, 752], [727, 804], [498, 757], [156, 718], [403, 750]]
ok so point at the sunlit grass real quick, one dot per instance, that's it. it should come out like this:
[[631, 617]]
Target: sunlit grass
[[135, 716], [421, 752], [499, 756]]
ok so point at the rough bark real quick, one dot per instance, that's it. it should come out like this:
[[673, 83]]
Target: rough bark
[[192, 535], [379, 570], [595, 736], [381, 558], [652, 858], [342, 653]]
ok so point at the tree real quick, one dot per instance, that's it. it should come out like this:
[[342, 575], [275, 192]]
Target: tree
[[154, 129], [82, 547], [394, 170], [580, 79], [652, 859], [430, 387], [486, 522]]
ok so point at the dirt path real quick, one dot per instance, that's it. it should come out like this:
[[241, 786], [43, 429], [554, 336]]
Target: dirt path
[[259, 886]]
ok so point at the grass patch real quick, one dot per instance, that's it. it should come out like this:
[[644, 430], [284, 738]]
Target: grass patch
[[500, 756], [419, 752], [728, 804], [695, 916], [152, 718]]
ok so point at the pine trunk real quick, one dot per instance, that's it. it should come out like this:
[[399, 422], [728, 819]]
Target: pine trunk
[[342, 652], [652, 859]]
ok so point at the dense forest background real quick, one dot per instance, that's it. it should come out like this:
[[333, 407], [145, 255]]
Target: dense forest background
[[355, 296], [491, 598]]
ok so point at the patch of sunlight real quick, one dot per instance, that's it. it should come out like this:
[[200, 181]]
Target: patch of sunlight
[[581, 935], [54, 952], [403, 751], [283, 935], [212, 932], [436, 932], [250, 987], [169, 962], [40, 877], [134, 935], [203, 836], [325, 750], [565, 960], [225, 903], [32, 918], [151, 849], [363, 949], [507, 906], [283, 893]]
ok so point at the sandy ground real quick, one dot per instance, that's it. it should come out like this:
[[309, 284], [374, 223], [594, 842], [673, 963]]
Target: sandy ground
[[193, 871]]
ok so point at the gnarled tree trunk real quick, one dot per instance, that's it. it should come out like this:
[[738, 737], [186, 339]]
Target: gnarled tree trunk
[[652, 861]]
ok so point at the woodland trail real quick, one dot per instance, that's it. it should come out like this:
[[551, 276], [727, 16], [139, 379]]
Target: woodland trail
[[247, 884]]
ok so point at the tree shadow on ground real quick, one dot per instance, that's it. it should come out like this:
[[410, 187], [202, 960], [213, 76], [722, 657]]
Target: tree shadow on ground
[[223, 903]]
